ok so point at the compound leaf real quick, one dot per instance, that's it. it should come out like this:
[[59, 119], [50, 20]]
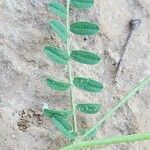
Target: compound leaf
[[87, 84], [58, 8], [62, 113], [56, 54], [85, 57], [82, 4], [64, 127], [57, 85], [84, 28], [89, 108], [60, 29]]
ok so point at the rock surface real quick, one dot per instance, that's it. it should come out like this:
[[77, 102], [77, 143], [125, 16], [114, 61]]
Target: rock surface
[[24, 32]]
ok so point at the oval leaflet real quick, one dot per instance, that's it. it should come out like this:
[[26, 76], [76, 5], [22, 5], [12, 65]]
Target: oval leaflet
[[85, 57], [58, 8], [89, 108], [84, 28], [57, 85], [87, 84], [60, 29], [56, 54], [63, 126]]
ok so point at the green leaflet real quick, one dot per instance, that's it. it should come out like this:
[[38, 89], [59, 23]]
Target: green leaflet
[[58, 86], [61, 122], [84, 28], [89, 108], [82, 4], [85, 57], [87, 84], [58, 8], [60, 29], [56, 54], [63, 113], [64, 127]]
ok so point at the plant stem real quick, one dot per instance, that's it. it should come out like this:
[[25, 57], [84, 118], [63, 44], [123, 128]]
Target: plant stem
[[70, 69], [119, 105], [108, 141]]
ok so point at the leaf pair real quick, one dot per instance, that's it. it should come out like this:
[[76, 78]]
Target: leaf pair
[[88, 108], [60, 10], [61, 57], [59, 119], [79, 28], [88, 85]]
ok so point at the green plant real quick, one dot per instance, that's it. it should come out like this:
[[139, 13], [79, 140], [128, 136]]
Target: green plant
[[64, 57], [61, 118]]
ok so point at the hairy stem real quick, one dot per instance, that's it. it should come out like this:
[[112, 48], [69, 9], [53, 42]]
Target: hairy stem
[[108, 141], [119, 105], [70, 69]]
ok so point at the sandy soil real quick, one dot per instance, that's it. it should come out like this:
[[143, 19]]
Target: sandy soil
[[23, 65]]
